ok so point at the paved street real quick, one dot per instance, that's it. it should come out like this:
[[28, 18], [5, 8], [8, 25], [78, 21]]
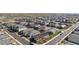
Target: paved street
[[18, 38], [61, 37]]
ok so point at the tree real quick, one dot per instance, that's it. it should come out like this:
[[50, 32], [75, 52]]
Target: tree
[[32, 39]]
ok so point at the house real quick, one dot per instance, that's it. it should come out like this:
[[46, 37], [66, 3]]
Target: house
[[59, 25], [21, 28], [16, 27], [25, 32], [38, 37], [29, 32], [1, 27], [31, 24], [53, 30], [74, 38], [36, 27], [39, 22], [77, 29], [23, 23], [34, 32], [52, 24], [42, 28], [63, 26]]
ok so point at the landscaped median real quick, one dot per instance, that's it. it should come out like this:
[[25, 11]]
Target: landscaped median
[[48, 38]]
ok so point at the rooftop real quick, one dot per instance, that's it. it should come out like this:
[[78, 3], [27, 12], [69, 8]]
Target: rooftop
[[74, 38]]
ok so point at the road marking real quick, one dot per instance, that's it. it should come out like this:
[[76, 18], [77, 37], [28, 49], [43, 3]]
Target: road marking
[[68, 34], [14, 38], [51, 39]]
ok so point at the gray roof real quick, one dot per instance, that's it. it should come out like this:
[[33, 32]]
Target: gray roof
[[28, 30], [74, 38], [34, 32], [78, 28], [68, 43], [76, 32], [53, 30], [31, 31]]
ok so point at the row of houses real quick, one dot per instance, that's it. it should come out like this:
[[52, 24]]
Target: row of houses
[[16, 27], [31, 32], [57, 21], [37, 25], [44, 35], [28, 33]]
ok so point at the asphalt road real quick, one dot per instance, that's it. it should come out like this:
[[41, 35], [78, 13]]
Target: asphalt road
[[63, 35], [18, 38]]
